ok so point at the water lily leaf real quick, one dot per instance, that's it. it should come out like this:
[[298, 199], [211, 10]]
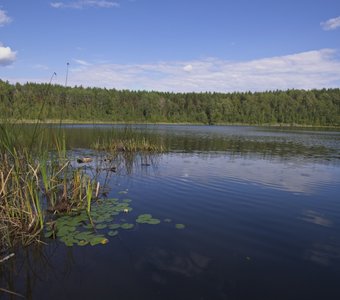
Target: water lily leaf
[[114, 226], [99, 220], [180, 226], [123, 192], [113, 233], [111, 200], [88, 226], [80, 218], [99, 239], [153, 221], [65, 230], [147, 219], [82, 243], [101, 226], [141, 221], [122, 205], [68, 243], [127, 226], [145, 216], [127, 200], [49, 234], [85, 235]]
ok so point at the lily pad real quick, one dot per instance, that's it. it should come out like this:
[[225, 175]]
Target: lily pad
[[99, 239], [88, 226], [113, 233], [147, 219], [180, 226], [127, 226], [85, 235], [114, 226], [65, 230], [145, 216], [101, 226], [154, 221], [111, 200], [49, 234], [82, 243]]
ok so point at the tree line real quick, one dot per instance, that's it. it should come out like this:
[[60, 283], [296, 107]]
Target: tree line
[[32, 101]]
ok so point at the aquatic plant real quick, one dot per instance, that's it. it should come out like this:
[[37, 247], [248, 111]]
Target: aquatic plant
[[180, 226], [133, 144], [34, 185], [147, 219]]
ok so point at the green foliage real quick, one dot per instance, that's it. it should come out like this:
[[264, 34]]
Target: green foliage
[[49, 102], [147, 219]]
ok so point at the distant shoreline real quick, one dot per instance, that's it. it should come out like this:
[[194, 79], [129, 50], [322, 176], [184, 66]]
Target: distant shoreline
[[98, 122]]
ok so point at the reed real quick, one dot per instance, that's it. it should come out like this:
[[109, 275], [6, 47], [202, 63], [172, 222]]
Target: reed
[[129, 145], [34, 186]]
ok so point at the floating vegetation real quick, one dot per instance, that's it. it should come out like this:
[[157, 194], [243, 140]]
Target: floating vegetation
[[92, 228], [114, 226], [127, 226], [113, 233], [83, 228], [180, 226], [147, 219]]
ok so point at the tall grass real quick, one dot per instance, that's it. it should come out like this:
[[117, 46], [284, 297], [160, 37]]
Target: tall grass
[[35, 183]]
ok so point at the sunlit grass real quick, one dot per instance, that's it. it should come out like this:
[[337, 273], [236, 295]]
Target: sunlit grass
[[129, 145], [35, 184]]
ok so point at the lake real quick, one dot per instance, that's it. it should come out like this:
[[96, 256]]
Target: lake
[[260, 208]]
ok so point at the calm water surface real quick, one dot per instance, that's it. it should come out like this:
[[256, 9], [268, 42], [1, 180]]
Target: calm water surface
[[262, 214]]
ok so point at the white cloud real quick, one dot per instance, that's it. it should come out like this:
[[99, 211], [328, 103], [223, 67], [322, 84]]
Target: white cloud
[[85, 3], [331, 24], [7, 56], [187, 68], [4, 18], [306, 70], [82, 62]]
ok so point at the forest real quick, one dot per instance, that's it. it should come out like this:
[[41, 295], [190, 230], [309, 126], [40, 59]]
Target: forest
[[46, 102]]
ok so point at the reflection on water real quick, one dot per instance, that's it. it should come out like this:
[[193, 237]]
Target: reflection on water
[[260, 206], [323, 254], [316, 218], [290, 176], [257, 142], [164, 260]]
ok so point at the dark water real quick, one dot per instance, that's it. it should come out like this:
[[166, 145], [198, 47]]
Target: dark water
[[261, 209]]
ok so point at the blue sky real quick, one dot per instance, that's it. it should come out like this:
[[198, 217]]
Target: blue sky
[[179, 46]]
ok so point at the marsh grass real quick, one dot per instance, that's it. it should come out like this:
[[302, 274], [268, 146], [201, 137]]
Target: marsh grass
[[129, 145], [36, 184]]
